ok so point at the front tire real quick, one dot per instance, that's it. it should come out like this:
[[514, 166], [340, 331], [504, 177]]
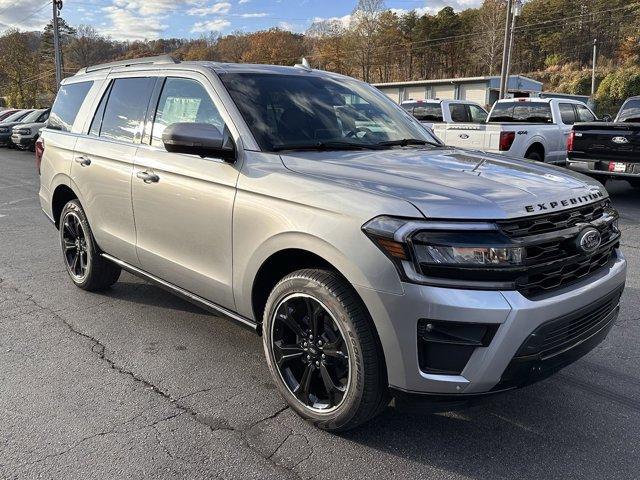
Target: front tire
[[323, 351], [86, 268]]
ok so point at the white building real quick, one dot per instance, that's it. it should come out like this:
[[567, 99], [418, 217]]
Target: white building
[[483, 90]]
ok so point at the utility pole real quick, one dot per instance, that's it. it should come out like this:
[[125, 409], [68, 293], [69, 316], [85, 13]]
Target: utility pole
[[517, 10], [593, 68], [505, 52], [57, 6]]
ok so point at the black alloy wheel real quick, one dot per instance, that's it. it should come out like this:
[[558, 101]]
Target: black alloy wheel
[[310, 352], [75, 247]]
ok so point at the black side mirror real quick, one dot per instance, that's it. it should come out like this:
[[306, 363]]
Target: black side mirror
[[201, 139]]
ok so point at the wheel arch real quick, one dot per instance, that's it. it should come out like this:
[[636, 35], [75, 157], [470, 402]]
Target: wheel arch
[[278, 265], [536, 146], [62, 194]]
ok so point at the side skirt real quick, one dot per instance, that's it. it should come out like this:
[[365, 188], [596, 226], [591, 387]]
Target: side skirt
[[184, 294]]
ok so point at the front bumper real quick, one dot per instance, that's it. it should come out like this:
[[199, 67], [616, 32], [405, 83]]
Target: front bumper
[[596, 168], [21, 140], [515, 317], [5, 139]]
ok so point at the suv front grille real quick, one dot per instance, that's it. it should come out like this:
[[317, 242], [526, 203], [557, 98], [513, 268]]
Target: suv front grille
[[556, 261], [552, 222]]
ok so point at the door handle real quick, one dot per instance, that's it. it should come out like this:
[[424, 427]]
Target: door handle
[[84, 161], [148, 177]]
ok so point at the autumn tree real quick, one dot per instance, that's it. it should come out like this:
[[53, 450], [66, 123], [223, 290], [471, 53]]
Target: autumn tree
[[363, 33], [274, 46], [21, 77]]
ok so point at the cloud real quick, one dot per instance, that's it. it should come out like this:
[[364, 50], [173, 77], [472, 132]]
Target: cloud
[[29, 15], [210, 26], [253, 15], [242, 2], [129, 24], [216, 8]]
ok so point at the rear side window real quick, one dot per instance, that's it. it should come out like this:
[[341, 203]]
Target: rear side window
[[567, 113], [477, 114], [584, 114], [184, 101], [522, 112], [67, 104], [126, 108]]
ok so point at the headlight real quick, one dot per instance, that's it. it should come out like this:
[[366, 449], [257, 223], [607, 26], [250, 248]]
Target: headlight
[[4, 130], [476, 254], [452, 248], [23, 131]]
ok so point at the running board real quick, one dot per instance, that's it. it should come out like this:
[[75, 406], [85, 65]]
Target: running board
[[184, 294]]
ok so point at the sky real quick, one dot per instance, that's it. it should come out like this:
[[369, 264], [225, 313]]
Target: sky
[[151, 19]]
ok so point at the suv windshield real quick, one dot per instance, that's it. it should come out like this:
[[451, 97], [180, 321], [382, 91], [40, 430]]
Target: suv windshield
[[529, 112], [630, 112], [32, 117], [311, 111]]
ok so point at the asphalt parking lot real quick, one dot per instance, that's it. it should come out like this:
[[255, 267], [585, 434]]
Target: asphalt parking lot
[[136, 383]]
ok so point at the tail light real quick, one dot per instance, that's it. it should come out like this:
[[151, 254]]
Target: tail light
[[506, 140], [39, 152], [570, 140]]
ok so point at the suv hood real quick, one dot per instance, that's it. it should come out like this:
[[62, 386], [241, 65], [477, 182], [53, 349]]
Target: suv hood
[[32, 125], [442, 182]]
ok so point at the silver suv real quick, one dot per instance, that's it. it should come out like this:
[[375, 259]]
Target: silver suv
[[374, 261]]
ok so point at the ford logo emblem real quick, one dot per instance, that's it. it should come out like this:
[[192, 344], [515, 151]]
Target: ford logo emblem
[[620, 140], [464, 136], [588, 240]]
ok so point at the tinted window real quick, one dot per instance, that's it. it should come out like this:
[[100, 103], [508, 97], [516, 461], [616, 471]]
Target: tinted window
[[459, 113], [630, 111], [584, 114], [183, 100], [526, 112], [304, 111], [567, 113], [425, 112], [67, 105], [126, 108], [32, 117], [478, 115]]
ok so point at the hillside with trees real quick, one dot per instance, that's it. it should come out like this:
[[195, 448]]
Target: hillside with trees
[[553, 43]]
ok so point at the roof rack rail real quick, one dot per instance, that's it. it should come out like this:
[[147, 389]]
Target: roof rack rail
[[157, 60]]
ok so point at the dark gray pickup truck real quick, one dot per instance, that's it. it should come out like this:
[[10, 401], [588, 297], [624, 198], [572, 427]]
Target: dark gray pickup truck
[[608, 150]]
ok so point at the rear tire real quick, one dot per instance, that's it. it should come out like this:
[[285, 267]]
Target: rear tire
[[534, 155], [86, 268], [347, 386]]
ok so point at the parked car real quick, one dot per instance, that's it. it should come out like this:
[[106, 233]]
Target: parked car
[[430, 112], [532, 128], [5, 113], [608, 150], [25, 134], [7, 125], [373, 261]]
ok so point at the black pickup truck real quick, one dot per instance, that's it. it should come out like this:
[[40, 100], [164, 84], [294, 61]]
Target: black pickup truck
[[608, 150]]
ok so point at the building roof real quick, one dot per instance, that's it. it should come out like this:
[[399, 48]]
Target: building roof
[[454, 80]]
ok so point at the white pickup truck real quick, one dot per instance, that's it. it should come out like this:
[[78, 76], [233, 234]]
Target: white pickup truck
[[430, 112], [534, 128]]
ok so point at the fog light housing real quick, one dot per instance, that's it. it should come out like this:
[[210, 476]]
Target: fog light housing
[[444, 348]]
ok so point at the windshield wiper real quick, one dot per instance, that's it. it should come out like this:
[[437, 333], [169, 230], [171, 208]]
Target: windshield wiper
[[330, 145], [405, 142]]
